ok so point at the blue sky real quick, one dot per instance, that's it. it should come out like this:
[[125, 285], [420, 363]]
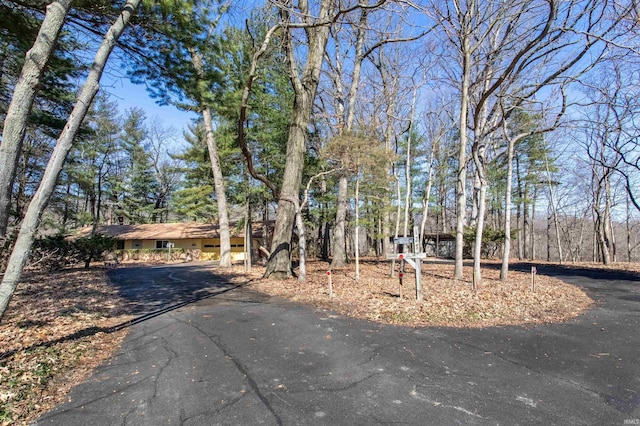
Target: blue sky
[[129, 95]]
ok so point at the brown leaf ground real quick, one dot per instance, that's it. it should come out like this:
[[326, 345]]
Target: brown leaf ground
[[56, 330], [376, 295], [60, 326]]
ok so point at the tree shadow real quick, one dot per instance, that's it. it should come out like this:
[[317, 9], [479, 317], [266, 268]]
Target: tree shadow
[[151, 292], [563, 270], [149, 289]]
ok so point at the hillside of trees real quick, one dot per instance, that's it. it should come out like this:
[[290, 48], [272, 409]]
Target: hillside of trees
[[508, 125]]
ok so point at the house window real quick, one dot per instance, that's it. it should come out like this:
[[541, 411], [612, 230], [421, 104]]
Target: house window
[[136, 244], [161, 244], [120, 245]]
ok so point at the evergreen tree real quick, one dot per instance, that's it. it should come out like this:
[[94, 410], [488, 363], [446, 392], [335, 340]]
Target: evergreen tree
[[90, 163], [137, 185], [194, 200]]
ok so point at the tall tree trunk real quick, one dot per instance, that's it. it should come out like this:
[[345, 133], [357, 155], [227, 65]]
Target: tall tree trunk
[[444, 226], [425, 200], [504, 270], [526, 223], [549, 234], [339, 258], [556, 222], [221, 197], [534, 204], [15, 123], [519, 211], [357, 230], [408, 199], [31, 221], [609, 233], [302, 243], [279, 265], [323, 230], [339, 253], [581, 238], [461, 195], [218, 179], [248, 236], [479, 160], [628, 226], [305, 86]]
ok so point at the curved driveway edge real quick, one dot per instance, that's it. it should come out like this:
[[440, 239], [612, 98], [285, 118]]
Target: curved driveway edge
[[207, 353]]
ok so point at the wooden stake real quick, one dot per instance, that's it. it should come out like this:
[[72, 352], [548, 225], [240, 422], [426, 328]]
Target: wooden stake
[[330, 285], [533, 279]]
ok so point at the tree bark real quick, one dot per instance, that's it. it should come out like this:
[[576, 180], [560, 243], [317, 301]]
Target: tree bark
[[554, 210], [339, 253], [218, 179], [221, 197], [461, 195], [31, 221], [519, 211], [339, 258], [357, 230], [479, 160], [305, 86], [15, 123], [504, 270], [427, 196]]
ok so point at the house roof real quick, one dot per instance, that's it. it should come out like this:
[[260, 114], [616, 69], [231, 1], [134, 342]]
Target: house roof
[[157, 231]]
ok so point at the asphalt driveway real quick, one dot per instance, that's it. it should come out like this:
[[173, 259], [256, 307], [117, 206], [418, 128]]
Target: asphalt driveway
[[207, 353]]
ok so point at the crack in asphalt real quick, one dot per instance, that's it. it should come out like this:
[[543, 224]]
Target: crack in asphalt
[[172, 354], [350, 385], [554, 377], [216, 340], [209, 413]]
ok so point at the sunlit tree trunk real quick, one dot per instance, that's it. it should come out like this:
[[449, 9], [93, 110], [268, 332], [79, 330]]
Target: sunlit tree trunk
[[218, 179], [504, 270], [357, 230], [31, 221], [554, 210], [461, 194], [305, 81], [24, 93]]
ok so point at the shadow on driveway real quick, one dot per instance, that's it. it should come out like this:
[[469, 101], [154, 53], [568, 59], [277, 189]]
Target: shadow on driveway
[[157, 289]]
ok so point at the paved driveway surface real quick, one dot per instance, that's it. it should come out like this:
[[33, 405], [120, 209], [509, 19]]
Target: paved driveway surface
[[206, 353]]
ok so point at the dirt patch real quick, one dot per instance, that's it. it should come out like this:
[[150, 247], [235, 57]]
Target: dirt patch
[[376, 295], [57, 329]]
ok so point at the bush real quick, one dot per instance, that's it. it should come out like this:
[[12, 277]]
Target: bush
[[55, 252], [52, 253], [92, 248]]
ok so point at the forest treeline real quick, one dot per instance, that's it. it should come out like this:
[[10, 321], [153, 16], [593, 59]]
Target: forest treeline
[[508, 125]]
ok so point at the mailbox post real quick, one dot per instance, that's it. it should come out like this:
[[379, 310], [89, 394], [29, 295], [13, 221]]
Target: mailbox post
[[415, 260]]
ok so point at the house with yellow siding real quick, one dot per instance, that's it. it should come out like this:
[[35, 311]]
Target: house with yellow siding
[[200, 240]]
